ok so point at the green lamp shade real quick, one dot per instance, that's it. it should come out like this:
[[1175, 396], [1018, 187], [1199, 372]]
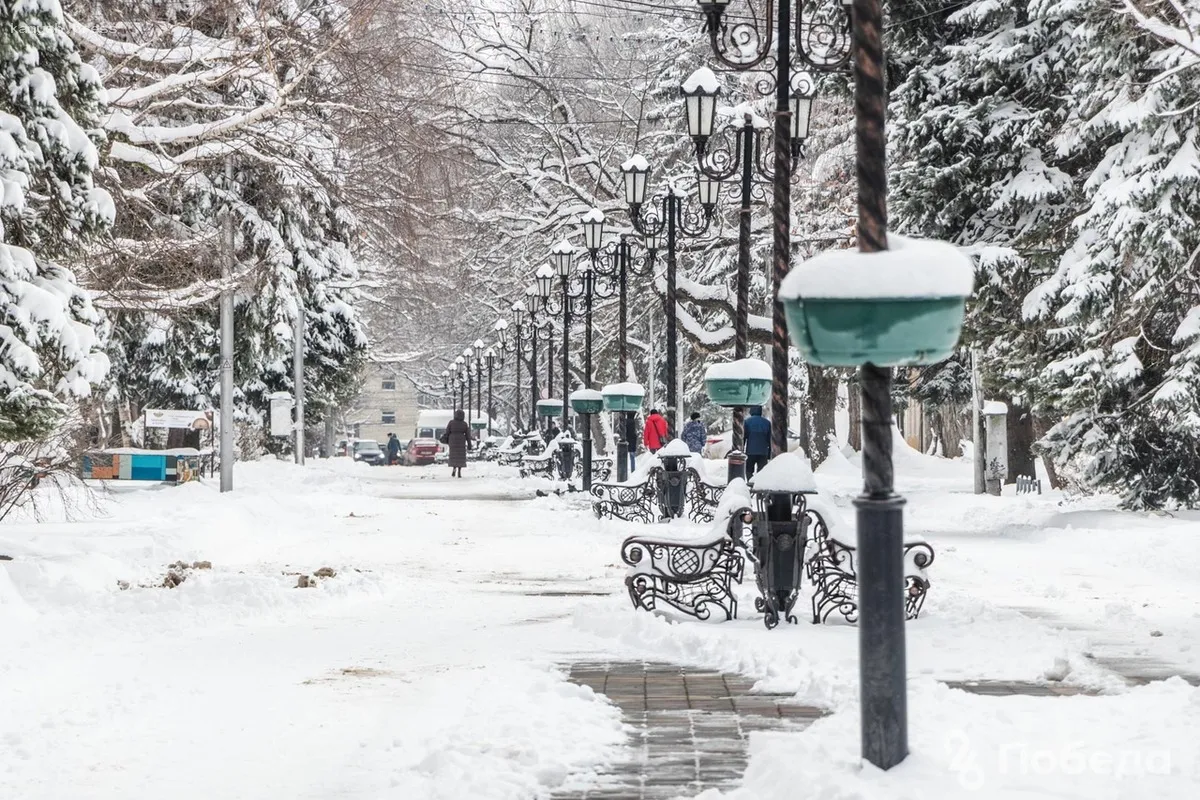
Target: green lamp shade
[[733, 392], [587, 405], [549, 408], [622, 402], [479, 424], [884, 331]]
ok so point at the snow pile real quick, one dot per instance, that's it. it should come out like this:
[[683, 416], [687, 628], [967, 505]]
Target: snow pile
[[740, 370], [585, 394], [912, 268], [676, 448], [786, 472], [996, 748]]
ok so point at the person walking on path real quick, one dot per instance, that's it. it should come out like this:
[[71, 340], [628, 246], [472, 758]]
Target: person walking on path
[[757, 430], [456, 435], [655, 433], [551, 433], [631, 439], [694, 433], [393, 448]]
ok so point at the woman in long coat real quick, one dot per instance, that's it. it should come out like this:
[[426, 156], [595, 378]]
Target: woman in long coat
[[457, 433]]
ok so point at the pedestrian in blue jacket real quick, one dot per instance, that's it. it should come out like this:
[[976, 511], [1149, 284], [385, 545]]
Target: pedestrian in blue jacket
[[757, 430], [694, 433]]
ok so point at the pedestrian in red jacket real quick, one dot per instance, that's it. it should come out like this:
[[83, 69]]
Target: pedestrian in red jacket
[[655, 433]]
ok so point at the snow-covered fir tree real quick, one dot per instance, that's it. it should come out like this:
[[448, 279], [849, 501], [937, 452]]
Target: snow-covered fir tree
[[225, 110], [1124, 299], [50, 351]]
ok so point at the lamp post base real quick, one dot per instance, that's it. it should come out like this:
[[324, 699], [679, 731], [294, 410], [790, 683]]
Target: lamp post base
[[622, 460], [566, 460], [587, 452], [737, 466], [881, 629]]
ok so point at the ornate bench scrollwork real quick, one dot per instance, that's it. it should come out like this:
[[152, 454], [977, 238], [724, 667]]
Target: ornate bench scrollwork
[[632, 502], [692, 578], [832, 572], [702, 497]]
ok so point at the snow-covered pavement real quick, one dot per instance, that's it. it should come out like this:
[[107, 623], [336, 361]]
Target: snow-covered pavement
[[430, 664]]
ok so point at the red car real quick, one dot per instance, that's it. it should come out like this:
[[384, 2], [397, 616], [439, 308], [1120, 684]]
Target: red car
[[421, 452]]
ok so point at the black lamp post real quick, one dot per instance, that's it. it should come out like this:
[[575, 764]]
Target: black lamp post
[[464, 377], [490, 359], [541, 320], [856, 29], [617, 262], [478, 348], [744, 41], [524, 332], [739, 152], [673, 219]]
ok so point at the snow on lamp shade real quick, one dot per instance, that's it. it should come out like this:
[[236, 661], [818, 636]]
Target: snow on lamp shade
[[593, 229], [903, 306], [636, 168], [746, 382], [586, 401], [549, 407], [623, 396]]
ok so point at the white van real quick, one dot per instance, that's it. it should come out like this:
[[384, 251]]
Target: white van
[[426, 441]]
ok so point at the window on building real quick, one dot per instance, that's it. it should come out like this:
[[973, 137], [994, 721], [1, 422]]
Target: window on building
[[389, 384], [389, 418]]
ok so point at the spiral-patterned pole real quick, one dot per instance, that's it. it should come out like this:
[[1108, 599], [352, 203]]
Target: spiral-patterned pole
[[880, 511], [782, 215], [672, 204]]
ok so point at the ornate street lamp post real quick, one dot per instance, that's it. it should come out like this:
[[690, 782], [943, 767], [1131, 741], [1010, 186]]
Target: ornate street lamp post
[[743, 41], [672, 218], [478, 347], [524, 332], [490, 359], [617, 262], [739, 152], [826, 43], [460, 369], [541, 320]]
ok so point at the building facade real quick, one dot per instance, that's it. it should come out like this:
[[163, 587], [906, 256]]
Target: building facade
[[387, 403]]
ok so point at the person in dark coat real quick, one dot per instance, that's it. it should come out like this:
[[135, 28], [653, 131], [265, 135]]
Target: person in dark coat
[[552, 432], [757, 429], [694, 433], [631, 438], [458, 432], [393, 448]]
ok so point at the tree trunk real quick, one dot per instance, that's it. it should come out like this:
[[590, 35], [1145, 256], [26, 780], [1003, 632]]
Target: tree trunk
[[1041, 426], [1019, 423], [854, 406], [822, 391], [950, 430]]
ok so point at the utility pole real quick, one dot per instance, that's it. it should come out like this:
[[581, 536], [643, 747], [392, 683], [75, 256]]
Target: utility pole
[[298, 376], [978, 438], [227, 337]]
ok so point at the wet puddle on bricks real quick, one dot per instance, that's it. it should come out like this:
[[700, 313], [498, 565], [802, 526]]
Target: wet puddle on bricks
[[691, 727]]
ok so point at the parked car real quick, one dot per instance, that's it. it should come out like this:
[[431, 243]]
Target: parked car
[[368, 451], [420, 451]]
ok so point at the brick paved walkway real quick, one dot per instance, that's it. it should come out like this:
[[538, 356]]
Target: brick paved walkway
[[691, 727]]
